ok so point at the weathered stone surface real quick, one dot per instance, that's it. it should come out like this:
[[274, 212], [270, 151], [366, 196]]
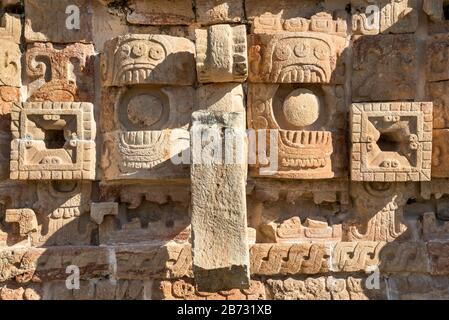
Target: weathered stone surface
[[418, 287], [285, 8], [440, 153], [439, 257], [221, 53], [434, 228], [159, 12], [436, 62], [184, 289], [44, 264], [39, 27], [220, 253], [11, 28], [53, 141], [392, 16], [8, 95], [306, 126], [98, 211], [60, 73], [391, 141], [170, 261], [324, 288], [10, 67], [25, 220], [147, 215], [219, 11], [383, 62], [148, 59], [296, 57]]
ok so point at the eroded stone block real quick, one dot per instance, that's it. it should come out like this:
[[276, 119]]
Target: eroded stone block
[[53, 141], [61, 27], [10, 66], [285, 9], [306, 122], [148, 59], [391, 141], [98, 211], [219, 11], [8, 95], [159, 12], [60, 73], [392, 16], [25, 218], [383, 62], [440, 153], [184, 289], [11, 28], [220, 241], [296, 57], [221, 53], [436, 57]]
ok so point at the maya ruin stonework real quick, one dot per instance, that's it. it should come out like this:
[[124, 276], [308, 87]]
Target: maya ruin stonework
[[224, 149]]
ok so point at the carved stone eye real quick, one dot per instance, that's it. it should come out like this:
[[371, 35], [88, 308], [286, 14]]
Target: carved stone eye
[[321, 53], [282, 52], [138, 49], [125, 51], [301, 50], [156, 53]]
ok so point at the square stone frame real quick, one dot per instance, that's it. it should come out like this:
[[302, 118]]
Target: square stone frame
[[359, 118], [83, 167]]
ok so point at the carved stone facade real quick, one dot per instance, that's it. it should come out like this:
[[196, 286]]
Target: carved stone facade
[[224, 149]]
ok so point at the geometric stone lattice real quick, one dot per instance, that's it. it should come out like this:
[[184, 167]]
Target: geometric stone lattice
[[53, 140], [391, 141]]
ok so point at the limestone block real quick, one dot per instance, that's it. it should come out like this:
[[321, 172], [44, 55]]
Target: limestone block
[[11, 28], [184, 289], [434, 228], [439, 258], [219, 11], [147, 214], [296, 57], [219, 230], [436, 57], [378, 212], [170, 261], [440, 153], [60, 73], [306, 122], [321, 22], [418, 287], [287, 259], [8, 95], [284, 8], [438, 93], [25, 218], [221, 97], [387, 257], [392, 16], [383, 62], [147, 130], [98, 211], [434, 9], [46, 264], [61, 27], [391, 141], [159, 12], [10, 67], [148, 59], [53, 141], [293, 231], [221, 53], [324, 288]]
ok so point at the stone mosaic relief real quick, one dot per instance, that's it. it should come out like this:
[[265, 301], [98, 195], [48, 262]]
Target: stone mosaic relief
[[98, 144]]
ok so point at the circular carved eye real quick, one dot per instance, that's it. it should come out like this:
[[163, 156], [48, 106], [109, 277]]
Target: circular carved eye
[[321, 53], [156, 53], [145, 110], [125, 50], [282, 52], [138, 49], [301, 50], [301, 108]]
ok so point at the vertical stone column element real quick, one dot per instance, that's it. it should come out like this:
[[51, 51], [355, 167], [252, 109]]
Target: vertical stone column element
[[218, 177]]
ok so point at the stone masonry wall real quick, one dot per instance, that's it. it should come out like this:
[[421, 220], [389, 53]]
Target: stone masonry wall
[[213, 149]]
